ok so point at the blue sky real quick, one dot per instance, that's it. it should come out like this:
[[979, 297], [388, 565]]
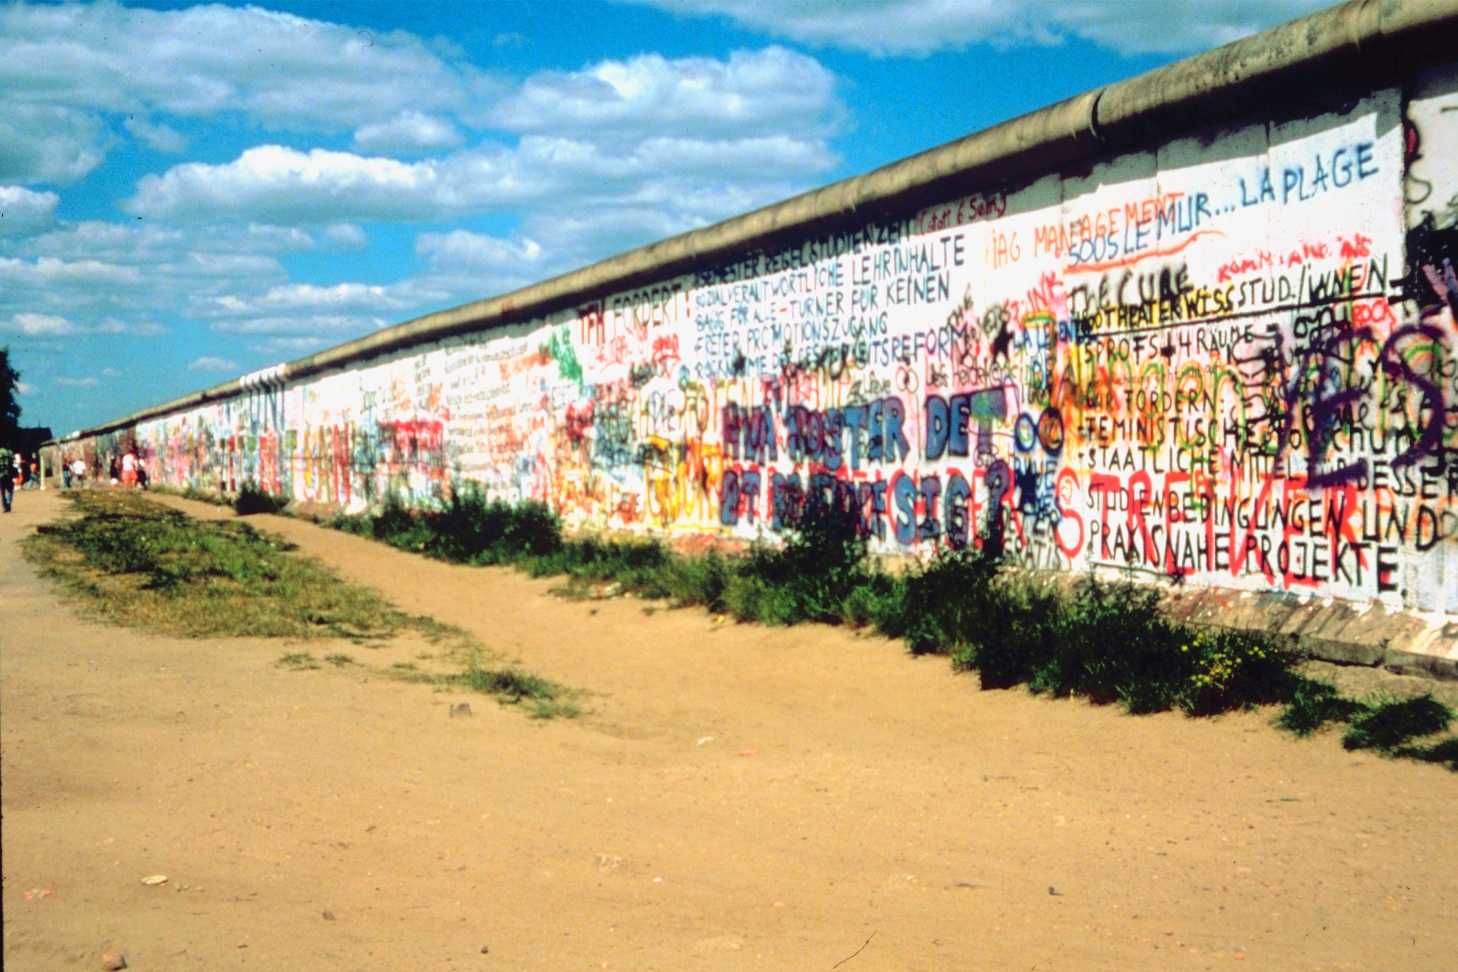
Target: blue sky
[[188, 193]]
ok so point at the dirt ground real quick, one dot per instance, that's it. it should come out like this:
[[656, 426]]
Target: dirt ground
[[735, 797]]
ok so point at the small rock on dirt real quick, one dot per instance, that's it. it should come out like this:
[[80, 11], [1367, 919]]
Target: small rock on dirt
[[461, 710], [111, 961], [485, 949], [152, 880], [328, 916]]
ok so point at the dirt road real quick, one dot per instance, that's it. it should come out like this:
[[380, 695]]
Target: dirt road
[[735, 798]]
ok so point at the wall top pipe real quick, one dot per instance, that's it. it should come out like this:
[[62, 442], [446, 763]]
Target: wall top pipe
[[1359, 42]]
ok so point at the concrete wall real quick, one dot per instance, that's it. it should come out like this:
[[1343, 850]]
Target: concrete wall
[[1228, 357]]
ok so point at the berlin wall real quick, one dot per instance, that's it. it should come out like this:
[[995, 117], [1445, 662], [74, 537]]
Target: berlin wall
[[1227, 355]]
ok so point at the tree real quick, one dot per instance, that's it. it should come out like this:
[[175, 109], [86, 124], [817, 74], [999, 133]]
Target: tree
[[9, 407]]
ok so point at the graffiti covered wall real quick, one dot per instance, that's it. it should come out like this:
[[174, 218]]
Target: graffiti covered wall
[[1231, 359]]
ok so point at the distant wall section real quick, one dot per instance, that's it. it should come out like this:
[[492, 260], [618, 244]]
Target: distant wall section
[[1230, 359]]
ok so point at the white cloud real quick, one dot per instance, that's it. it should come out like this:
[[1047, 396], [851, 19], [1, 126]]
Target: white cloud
[[49, 270], [704, 126], [751, 91], [462, 250], [288, 345], [345, 236], [409, 131], [23, 212], [47, 143], [337, 326], [39, 325], [277, 69], [110, 373], [277, 183], [925, 26], [163, 138], [283, 185], [87, 382], [32, 324], [112, 325], [210, 362], [354, 296], [24, 388]]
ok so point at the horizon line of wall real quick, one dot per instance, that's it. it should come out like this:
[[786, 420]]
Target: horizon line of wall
[[1198, 324]]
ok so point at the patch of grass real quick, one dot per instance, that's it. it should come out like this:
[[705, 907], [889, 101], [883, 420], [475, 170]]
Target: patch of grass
[[539, 697], [298, 661], [132, 562], [1312, 704]]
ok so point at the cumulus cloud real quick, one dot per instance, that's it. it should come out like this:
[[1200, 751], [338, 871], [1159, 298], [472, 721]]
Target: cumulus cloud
[[51, 271], [345, 236], [298, 326], [23, 212], [771, 89], [279, 184], [289, 345], [210, 362], [156, 136], [353, 296], [293, 72], [925, 26], [39, 325], [700, 125], [47, 143], [463, 250], [32, 324], [409, 131]]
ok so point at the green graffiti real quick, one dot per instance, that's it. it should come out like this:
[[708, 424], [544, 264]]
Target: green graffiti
[[561, 350]]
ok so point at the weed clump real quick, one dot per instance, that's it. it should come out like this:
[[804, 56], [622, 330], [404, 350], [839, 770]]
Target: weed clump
[[468, 529], [809, 577], [252, 498]]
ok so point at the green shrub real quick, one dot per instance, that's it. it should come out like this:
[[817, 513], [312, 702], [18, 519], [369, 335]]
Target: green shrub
[[950, 603], [697, 580], [252, 499], [1021, 625], [1233, 669], [1311, 704], [809, 576], [879, 601], [750, 596]]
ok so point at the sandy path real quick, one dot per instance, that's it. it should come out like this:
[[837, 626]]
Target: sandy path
[[737, 798]]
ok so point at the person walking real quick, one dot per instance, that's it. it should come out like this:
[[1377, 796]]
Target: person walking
[[129, 469], [8, 460], [78, 471]]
